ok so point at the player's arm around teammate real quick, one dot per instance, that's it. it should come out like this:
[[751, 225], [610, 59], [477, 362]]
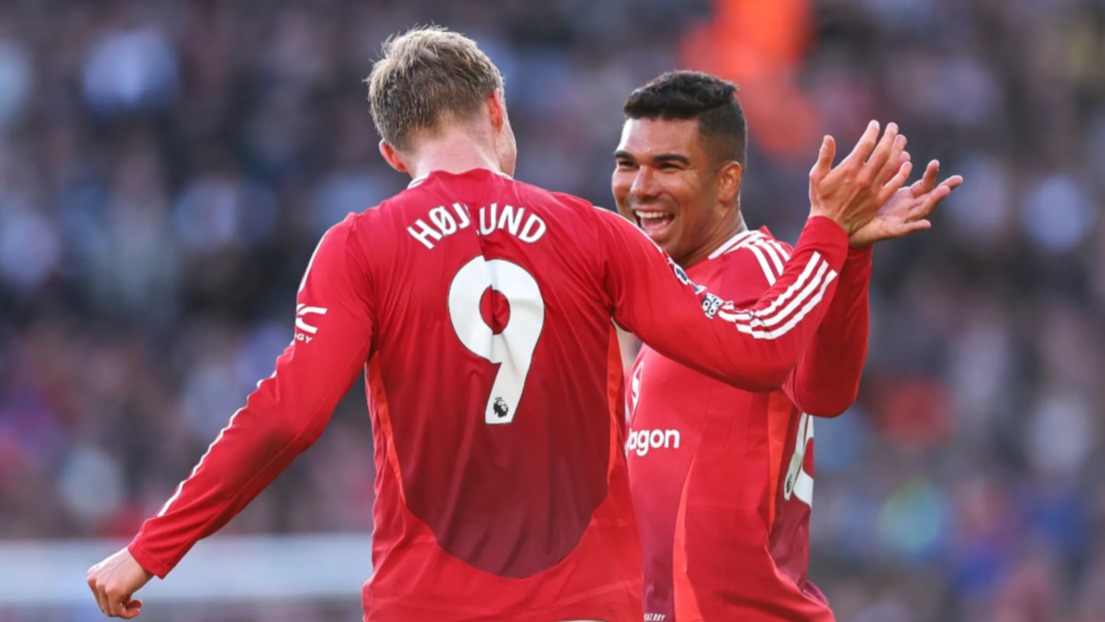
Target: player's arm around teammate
[[756, 348]]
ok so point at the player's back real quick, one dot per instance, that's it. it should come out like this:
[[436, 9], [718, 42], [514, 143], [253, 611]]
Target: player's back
[[495, 389]]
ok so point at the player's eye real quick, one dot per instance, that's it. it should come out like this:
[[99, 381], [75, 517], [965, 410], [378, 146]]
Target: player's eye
[[626, 165]]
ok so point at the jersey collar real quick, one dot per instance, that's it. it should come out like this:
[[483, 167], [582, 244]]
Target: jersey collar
[[421, 178]]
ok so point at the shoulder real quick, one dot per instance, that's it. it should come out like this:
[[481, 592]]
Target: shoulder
[[749, 264]]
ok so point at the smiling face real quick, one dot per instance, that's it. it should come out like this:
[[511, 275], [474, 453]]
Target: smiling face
[[666, 181]]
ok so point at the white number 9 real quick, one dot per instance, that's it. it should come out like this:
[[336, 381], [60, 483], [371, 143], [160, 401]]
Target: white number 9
[[513, 347]]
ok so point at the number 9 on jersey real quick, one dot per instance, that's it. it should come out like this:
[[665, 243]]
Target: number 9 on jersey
[[513, 347]]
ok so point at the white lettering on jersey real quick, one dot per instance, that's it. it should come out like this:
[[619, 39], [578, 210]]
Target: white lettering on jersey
[[527, 227], [301, 311], [642, 441], [442, 224]]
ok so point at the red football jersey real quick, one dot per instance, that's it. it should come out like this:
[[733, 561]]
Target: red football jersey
[[482, 311], [722, 478]]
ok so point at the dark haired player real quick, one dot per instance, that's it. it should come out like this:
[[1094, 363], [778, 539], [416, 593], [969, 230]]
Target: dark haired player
[[481, 311], [722, 477]]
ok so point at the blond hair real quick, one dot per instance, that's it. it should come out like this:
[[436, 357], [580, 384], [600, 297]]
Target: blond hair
[[426, 75]]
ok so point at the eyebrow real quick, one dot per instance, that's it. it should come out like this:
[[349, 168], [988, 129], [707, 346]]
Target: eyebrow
[[660, 157]]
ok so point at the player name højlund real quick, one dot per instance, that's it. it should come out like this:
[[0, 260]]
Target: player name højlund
[[443, 221]]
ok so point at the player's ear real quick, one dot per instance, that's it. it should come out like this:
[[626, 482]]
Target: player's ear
[[391, 156], [729, 181], [496, 109]]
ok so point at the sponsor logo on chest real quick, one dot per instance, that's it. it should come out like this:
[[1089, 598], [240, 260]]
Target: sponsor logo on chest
[[641, 442]]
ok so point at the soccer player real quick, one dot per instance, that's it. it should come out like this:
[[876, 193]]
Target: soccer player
[[722, 477], [482, 312]]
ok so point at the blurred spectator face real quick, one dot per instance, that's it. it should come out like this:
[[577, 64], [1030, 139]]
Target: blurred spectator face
[[665, 181]]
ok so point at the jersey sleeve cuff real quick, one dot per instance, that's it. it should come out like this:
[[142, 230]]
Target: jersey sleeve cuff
[[862, 254], [146, 560], [828, 238]]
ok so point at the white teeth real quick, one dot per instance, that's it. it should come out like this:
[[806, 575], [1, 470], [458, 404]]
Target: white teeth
[[642, 214]]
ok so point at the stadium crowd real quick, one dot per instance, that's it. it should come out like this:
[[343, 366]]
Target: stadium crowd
[[167, 167]]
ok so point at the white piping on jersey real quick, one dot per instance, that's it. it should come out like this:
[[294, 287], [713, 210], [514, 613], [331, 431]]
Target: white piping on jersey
[[730, 243], [765, 248], [422, 178], [768, 274], [807, 292], [772, 252], [195, 469], [803, 287], [785, 328]]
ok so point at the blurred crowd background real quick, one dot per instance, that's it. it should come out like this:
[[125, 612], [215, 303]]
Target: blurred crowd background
[[167, 166]]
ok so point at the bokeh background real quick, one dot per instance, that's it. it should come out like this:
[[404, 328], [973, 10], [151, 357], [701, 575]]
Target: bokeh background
[[167, 166]]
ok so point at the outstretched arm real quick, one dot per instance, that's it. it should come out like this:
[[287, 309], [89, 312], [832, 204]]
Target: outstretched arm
[[826, 381], [282, 418], [755, 348]]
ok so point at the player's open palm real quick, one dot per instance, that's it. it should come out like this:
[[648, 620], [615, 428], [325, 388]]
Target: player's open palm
[[114, 581], [851, 193], [908, 208]]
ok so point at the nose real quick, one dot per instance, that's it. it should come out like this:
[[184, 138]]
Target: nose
[[644, 186]]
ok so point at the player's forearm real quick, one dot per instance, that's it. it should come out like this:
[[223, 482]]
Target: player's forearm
[[826, 381], [781, 325], [255, 447], [753, 348]]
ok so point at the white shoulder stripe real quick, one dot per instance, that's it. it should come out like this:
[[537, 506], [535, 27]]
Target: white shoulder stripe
[[760, 324], [784, 329], [773, 253], [731, 243], [768, 274], [779, 247], [798, 284], [820, 278]]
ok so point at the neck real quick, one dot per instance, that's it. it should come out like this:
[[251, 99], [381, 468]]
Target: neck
[[452, 151], [714, 242]]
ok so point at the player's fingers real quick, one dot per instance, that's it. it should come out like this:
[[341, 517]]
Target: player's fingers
[[131, 610], [952, 182], [115, 605], [934, 198], [916, 225], [96, 595], [895, 159], [824, 158], [895, 183], [890, 171], [881, 155], [863, 148], [927, 181]]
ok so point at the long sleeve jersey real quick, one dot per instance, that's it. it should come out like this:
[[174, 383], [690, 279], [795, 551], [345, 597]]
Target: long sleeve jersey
[[722, 477], [481, 311]]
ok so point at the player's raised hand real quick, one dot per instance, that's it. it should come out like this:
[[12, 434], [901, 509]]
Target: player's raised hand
[[851, 193], [908, 209], [114, 581]]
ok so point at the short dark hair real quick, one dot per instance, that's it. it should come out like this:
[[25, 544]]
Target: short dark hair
[[687, 95]]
